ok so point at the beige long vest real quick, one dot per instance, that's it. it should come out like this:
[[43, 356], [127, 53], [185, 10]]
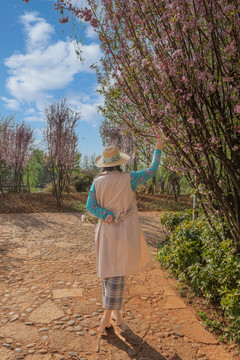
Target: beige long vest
[[121, 248]]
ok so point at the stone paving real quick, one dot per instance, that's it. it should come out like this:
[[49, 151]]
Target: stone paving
[[50, 298]]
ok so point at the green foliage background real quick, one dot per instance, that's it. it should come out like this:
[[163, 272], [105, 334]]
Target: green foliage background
[[36, 172]]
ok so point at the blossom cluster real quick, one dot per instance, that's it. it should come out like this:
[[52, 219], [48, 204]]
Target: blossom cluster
[[89, 218]]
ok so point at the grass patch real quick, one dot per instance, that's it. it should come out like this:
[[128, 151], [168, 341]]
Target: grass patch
[[75, 206]]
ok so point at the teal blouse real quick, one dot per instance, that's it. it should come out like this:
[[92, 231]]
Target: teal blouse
[[136, 178]]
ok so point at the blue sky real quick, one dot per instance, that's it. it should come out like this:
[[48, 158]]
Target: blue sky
[[39, 65]]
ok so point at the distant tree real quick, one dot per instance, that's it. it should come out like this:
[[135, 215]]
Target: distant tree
[[36, 173], [87, 162], [15, 150], [61, 140], [71, 175], [84, 179], [6, 124], [22, 139]]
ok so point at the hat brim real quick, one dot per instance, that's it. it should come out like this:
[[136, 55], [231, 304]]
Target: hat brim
[[123, 160]]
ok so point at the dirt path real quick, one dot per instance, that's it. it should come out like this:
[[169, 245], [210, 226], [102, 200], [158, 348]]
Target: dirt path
[[50, 298]]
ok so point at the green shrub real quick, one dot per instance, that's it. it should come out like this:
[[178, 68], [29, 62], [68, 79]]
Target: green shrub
[[84, 180], [206, 262], [173, 219], [183, 248]]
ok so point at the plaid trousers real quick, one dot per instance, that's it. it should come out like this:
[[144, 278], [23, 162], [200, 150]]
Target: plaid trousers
[[113, 288]]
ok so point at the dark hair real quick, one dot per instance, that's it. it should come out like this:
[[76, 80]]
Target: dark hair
[[112, 168], [109, 169]]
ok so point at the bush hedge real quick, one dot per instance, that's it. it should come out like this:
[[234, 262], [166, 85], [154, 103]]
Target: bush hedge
[[209, 265], [83, 181]]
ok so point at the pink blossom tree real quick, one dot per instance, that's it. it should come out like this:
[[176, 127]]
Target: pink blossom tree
[[5, 132], [15, 149], [175, 64], [61, 140], [22, 139]]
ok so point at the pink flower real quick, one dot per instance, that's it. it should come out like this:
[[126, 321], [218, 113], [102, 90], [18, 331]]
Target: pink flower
[[177, 53], [230, 49], [199, 147], [203, 75], [213, 87], [237, 108], [191, 121], [63, 20], [235, 148], [94, 22], [83, 218], [227, 79]]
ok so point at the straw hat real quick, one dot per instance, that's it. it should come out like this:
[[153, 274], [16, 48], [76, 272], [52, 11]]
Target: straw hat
[[111, 157]]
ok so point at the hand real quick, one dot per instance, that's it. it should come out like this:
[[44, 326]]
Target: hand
[[109, 219], [160, 144]]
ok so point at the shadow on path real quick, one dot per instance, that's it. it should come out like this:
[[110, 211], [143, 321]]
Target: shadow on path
[[133, 345], [35, 221]]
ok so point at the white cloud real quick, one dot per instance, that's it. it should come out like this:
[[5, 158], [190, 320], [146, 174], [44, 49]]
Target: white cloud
[[33, 119], [30, 111], [37, 114], [11, 104], [87, 106], [38, 31], [91, 33], [89, 113], [45, 66], [79, 3]]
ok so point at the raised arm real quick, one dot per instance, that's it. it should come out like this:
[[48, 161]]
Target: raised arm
[[140, 177], [92, 205]]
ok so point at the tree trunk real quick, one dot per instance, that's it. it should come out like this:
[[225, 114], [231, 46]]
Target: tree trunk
[[195, 201], [135, 162], [195, 214]]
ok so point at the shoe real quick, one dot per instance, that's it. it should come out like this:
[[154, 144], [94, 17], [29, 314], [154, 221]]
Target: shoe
[[103, 325], [116, 315]]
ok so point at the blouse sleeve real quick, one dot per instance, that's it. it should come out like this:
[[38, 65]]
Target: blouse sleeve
[[140, 177], [92, 205]]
